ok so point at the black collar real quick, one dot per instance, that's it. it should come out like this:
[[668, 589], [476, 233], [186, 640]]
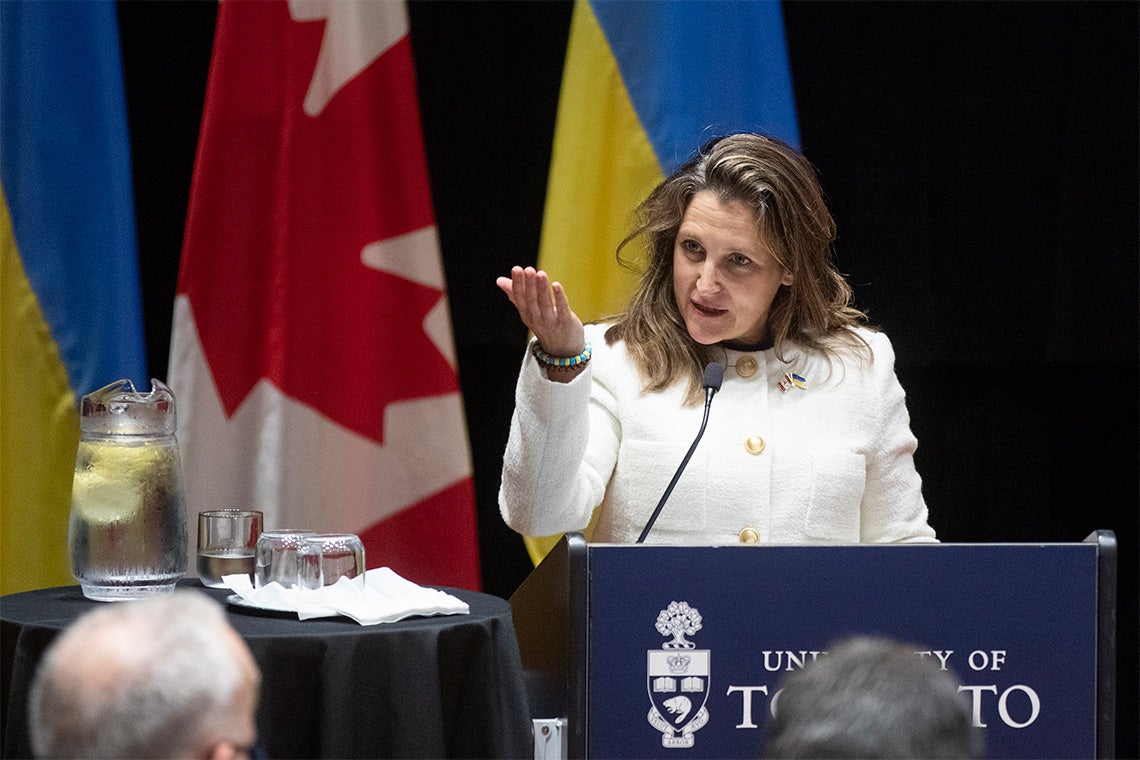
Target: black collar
[[763, 345]]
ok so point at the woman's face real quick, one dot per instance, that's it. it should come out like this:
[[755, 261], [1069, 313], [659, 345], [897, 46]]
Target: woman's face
[[724, 278]]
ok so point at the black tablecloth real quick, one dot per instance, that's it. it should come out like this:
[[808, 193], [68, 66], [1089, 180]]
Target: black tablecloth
[[445, 686]]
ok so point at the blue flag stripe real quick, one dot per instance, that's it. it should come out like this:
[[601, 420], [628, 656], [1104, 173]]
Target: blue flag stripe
[[65, 170], [696, 69]]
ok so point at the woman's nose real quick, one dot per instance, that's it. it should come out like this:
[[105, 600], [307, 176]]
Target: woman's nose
[[707, 280]]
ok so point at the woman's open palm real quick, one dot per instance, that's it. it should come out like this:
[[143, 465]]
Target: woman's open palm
[[544, 308]]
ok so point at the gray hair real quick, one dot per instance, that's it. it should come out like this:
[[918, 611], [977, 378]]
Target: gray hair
[[138, 679], [872, 697]]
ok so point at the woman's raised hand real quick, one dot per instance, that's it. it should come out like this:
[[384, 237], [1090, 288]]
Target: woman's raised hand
[[545, 309]]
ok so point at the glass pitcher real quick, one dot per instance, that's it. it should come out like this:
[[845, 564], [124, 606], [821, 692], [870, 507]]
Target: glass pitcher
[[127, 532]]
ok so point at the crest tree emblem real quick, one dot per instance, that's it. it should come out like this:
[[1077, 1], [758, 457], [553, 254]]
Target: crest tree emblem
[[677, 620]]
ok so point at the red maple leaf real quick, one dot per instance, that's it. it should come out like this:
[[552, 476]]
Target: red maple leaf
[[282, 206]]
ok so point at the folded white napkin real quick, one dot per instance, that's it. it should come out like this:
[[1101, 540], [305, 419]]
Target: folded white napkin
[[385, 598]]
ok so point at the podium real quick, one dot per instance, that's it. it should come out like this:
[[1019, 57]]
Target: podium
[[606, 631]]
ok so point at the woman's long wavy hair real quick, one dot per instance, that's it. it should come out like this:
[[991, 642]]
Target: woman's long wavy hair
[[782, 189]]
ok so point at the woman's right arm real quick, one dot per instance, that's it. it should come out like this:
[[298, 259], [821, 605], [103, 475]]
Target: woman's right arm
[[564, 434], [561, 452]]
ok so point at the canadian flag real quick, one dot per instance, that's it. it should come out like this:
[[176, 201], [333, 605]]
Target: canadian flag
[[312, 356]]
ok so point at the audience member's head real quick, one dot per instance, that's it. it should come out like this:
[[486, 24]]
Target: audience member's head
[[872, 698], [164, 677]]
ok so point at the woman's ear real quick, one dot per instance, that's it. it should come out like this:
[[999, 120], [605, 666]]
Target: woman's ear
[[788, 278]]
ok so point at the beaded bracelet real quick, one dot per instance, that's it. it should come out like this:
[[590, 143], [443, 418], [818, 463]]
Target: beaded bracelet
[[562, 362]]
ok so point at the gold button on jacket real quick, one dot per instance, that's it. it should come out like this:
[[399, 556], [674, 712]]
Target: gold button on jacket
[[749, 536], [746, 366], [755, 445]]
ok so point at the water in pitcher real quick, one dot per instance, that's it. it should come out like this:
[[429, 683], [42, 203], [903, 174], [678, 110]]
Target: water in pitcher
[[127, 518], [127, 530]]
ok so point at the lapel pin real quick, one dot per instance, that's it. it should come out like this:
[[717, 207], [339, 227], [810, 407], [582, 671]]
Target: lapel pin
[[792, 380]]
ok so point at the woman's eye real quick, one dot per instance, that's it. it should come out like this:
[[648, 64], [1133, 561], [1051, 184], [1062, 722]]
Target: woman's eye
[[739, 260], [690, 246]]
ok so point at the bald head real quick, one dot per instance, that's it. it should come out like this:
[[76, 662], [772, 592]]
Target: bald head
[[160, 677]]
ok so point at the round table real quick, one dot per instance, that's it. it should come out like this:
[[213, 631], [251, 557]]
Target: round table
[[443, 686]]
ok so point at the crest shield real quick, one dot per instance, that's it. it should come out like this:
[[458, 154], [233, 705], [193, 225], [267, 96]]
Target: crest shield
[[678, 685]]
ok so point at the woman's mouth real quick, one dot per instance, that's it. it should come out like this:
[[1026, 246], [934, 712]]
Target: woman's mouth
[[708, 311]]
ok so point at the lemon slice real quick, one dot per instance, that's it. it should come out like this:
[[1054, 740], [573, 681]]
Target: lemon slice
[[101, 499], [110, 484]]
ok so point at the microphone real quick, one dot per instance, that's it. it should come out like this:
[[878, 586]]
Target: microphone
[[711, 380]]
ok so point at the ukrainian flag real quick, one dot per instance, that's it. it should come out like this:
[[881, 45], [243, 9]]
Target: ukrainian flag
[[644, 86], [70, 308]]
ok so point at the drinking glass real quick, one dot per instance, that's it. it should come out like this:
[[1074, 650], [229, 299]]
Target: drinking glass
[[325, 558], [276, 557], [226, 542]]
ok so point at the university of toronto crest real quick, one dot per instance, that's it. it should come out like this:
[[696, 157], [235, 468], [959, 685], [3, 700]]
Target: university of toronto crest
[[677, 677]]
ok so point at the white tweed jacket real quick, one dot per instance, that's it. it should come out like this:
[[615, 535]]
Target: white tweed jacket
[[829, 463]]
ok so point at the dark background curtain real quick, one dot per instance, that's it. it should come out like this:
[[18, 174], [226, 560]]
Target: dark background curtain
[[981, 162]]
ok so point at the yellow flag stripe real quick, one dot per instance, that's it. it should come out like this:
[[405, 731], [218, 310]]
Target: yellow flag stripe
[[602, 166], [39, 432]]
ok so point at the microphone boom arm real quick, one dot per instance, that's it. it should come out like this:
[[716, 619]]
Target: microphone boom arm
[[709, 391]]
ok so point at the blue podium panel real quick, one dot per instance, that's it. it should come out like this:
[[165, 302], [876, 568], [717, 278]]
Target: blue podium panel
[[687, 645]]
